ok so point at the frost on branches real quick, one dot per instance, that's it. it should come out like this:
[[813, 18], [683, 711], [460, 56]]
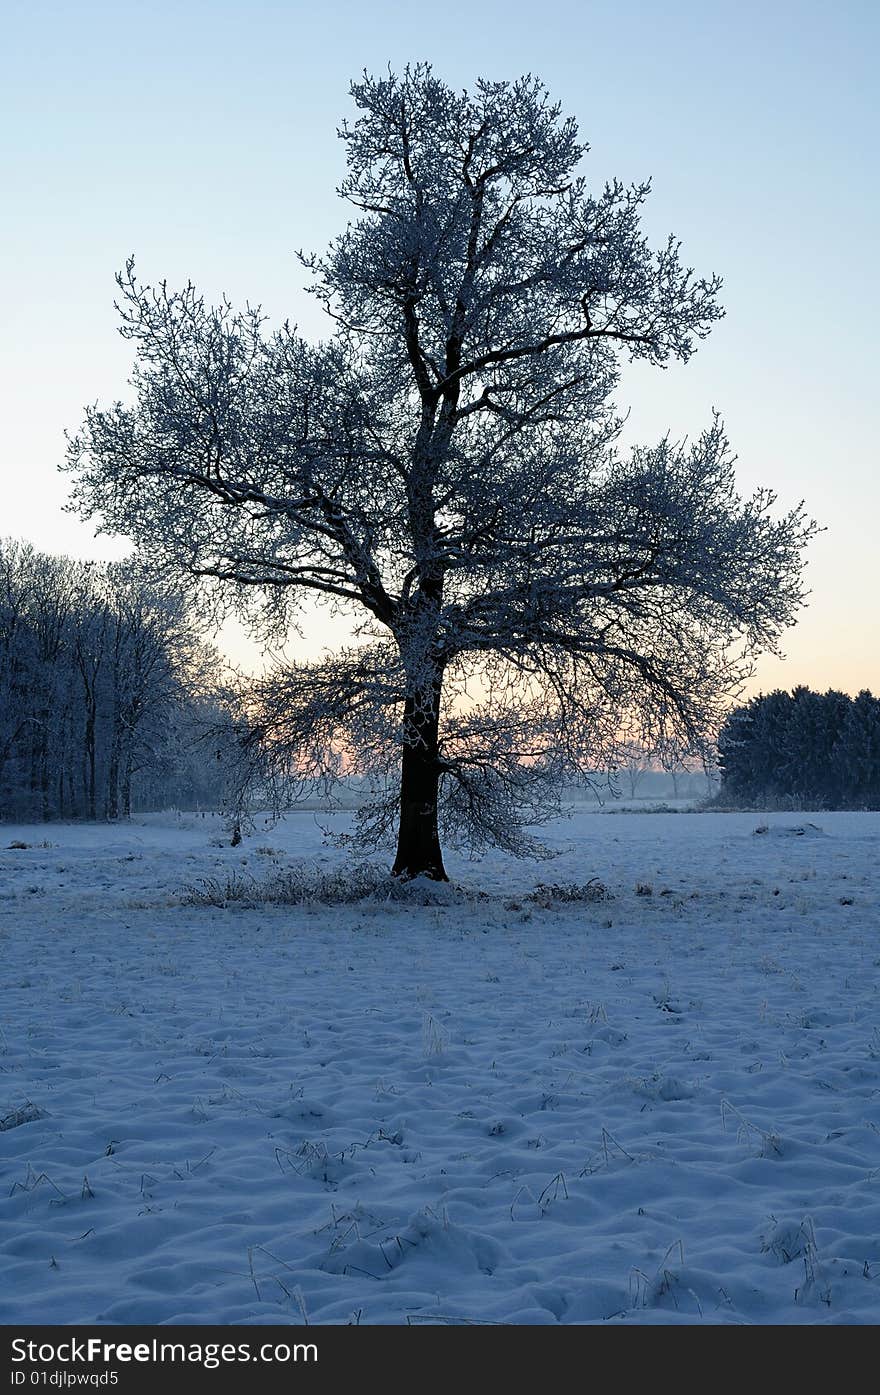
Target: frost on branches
[[530, 599]]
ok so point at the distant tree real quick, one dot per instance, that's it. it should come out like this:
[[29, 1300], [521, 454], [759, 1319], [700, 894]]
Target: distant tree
[[802, 749], [444, 469], [635, 764], [857, 752], [17, 661], [683, 778], [815, 724], [42, 659], [159, 666], [106, 691]]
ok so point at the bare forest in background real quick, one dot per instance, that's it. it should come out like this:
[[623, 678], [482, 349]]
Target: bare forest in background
[[110, 700]]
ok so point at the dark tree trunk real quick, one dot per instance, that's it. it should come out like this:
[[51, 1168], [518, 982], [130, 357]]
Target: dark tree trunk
[[126, 788], [113, 789], [91, 770], [113, 776], [37, 762], [46, 788], [418, 839]]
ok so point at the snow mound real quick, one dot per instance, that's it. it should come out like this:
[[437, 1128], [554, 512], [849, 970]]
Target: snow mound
[[789, 830]]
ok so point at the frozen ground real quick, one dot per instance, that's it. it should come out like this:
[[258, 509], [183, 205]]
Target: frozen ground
[[659, 1108]]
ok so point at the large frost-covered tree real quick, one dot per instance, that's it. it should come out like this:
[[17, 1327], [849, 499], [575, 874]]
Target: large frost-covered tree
[[444, 466]]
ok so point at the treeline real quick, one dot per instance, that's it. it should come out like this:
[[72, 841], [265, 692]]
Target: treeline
[[109, 699], [802, 749]]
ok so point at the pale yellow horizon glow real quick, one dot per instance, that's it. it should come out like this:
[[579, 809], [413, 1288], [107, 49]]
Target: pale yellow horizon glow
[[829, 647]]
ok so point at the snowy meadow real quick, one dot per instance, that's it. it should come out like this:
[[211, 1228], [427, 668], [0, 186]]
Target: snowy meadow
[[658, 1102]]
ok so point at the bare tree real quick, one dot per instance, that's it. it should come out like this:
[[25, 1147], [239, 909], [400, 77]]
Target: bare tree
[[158, 663], [445, 468], [105, 690], [635, 764]]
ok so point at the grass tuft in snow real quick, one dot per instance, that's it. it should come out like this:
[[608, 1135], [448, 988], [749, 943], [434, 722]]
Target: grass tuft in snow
[[769, 1144], [307, 884], [546, 896], [24, 1114]]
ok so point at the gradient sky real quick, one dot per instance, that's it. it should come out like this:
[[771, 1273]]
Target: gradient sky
[[201, 137]]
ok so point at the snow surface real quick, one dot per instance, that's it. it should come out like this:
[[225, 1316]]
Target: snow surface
[[663, 1107]]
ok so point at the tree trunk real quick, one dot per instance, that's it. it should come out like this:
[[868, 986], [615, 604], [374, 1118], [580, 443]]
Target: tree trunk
[[126, 788], [91, 770], [113, 776], [418, 839]]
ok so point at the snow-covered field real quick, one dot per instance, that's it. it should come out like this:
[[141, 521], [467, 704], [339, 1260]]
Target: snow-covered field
[[663, 1107]]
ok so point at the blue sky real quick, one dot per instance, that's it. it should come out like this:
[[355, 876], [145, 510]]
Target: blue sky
[[201, 137]]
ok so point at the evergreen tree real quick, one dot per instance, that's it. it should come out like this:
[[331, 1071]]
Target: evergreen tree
[[803, 749]]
